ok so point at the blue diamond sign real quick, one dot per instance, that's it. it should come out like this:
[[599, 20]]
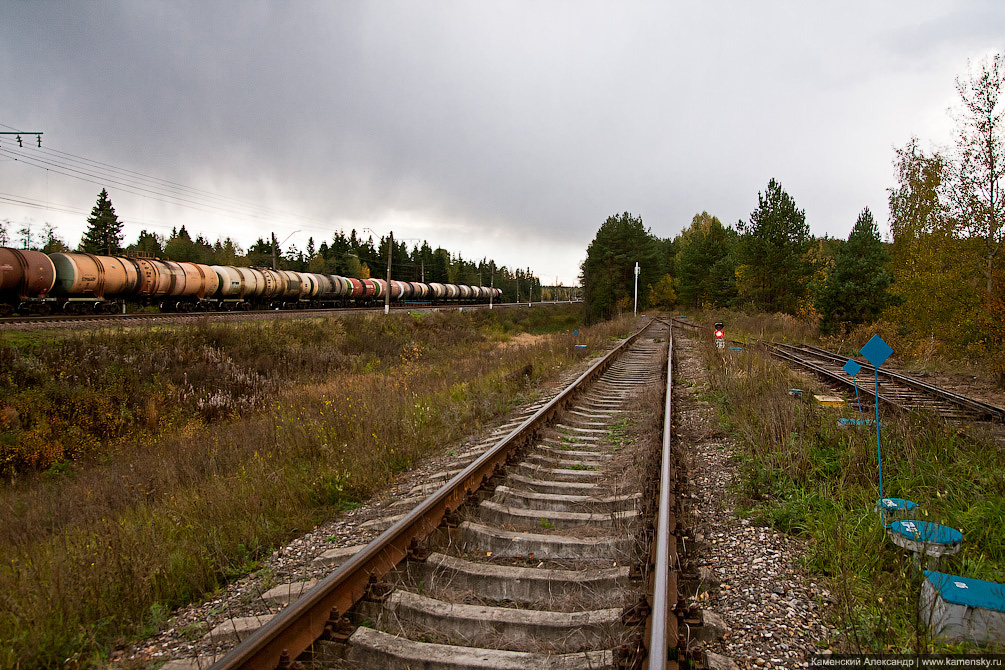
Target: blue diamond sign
[[852, 367], [876, 351]]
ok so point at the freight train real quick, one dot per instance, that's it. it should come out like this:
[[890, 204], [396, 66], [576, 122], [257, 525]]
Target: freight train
[[32, 282]]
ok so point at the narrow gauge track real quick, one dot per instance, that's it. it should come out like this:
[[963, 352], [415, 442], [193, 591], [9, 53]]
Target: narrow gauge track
[[897, 390], [120, 320], [566, 563]]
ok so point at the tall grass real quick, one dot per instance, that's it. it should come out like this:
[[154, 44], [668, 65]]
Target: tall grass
[[804, 475], [94, 549], [913, 351]]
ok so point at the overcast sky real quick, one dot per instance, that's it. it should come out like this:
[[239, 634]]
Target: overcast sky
[[508, 130]]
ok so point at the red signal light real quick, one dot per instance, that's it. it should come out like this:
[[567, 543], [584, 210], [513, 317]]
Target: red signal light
[[718, 333]]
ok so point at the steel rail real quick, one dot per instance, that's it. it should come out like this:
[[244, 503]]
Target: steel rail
[[296, 628], [965, 402], [682, 322], [663, 621], [824, 372], [58, 320]]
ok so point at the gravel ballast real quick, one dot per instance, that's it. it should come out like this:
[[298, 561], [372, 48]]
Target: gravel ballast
[[771, 611]]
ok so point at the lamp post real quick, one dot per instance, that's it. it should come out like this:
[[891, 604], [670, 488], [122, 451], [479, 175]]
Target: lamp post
[[636, 288], [390, 251], [387, 288]]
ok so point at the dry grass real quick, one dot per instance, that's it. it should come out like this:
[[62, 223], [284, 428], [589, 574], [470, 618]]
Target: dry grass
[[258, 433], [803, 475]]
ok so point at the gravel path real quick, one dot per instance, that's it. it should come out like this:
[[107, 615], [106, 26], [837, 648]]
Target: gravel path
[[771, 612]]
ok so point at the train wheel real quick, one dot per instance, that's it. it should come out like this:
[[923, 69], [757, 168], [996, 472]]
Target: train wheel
[[6, 309]]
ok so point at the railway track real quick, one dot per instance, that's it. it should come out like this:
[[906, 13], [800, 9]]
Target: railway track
[[895, 390], [126, 320], [555, 546]]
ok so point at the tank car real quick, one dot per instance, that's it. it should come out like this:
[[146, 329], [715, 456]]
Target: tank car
[[26, 279], [87, 282], [31, 282]]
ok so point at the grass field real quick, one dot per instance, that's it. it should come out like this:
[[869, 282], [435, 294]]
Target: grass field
[[805, 476], [144, 468]]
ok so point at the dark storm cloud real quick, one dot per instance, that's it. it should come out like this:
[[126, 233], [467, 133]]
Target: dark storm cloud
[[489, 128]]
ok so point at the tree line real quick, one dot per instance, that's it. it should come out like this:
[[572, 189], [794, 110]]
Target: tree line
[[348, 255], [939, 279]]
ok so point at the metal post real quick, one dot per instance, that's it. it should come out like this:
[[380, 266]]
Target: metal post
[[492, 283], [636, 288], [274, 245], [387, 290]]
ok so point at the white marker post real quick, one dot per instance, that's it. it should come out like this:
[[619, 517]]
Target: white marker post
[[636, 288]]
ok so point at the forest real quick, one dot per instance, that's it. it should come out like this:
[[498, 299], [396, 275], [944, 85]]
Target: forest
[[936, 286], [348, 255]]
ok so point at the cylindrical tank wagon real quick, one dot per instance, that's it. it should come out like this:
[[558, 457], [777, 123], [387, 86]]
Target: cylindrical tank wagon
[[33, 282], [26, 278]]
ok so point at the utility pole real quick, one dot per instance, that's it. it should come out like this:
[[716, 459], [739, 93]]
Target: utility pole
[[19, 133], [492, 282], [274, 246], [387, 291]]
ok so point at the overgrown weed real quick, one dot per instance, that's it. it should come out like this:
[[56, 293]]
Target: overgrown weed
[[160, 511], [804, 475]]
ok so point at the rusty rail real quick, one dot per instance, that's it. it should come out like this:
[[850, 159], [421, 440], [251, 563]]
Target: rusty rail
[[298, 626], [979, 407], [663, 634], [840, 379], [53, 321]]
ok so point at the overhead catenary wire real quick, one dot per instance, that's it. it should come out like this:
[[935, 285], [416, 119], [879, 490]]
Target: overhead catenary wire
[[25, 201], [137, 183], [147, 186], [167, 185], [136, 189]]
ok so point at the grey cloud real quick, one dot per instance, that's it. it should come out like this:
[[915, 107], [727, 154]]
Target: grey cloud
[[534, 119]]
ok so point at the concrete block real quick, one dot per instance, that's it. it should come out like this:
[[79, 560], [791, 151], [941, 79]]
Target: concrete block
[[962, 608], [235, 630]]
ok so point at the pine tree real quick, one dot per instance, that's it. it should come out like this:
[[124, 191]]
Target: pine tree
[[704, 263], [855, 289], [608, 273], [104, 233], [773, 272]]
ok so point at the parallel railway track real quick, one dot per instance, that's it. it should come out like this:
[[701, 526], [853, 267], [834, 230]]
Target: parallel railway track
[[551, 548], [895, 390], [66, 321]]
